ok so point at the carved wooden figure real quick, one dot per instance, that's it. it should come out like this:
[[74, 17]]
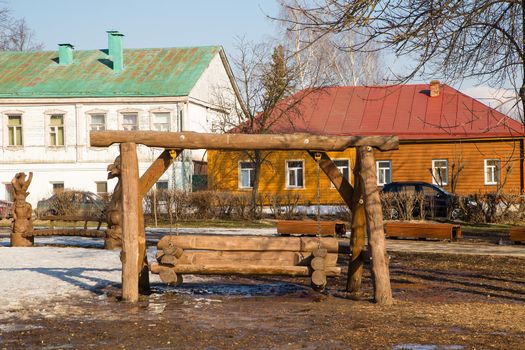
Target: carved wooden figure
[[114, 231], [22, 211]]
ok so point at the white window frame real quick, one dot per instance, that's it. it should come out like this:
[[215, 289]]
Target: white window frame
[[287, 173], [163, 181], [91, 124], [154, 122], [240, 185], [21, 127], [53, 130], [494, 168], [101, 182], [434, 178], [53, 183], [349, 166], [381, 169]]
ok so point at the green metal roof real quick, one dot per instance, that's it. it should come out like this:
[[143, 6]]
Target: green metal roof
[[147, 72]]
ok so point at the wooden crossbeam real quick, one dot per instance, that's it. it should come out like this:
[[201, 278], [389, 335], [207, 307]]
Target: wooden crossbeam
[[276, 142]]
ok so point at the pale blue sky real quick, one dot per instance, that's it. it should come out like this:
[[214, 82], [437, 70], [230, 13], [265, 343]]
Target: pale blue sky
[[154, 23]]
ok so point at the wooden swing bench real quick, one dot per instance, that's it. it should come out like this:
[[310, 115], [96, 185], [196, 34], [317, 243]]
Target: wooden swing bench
[[70, 231], [437, 231], [246, 255], [517, 234]]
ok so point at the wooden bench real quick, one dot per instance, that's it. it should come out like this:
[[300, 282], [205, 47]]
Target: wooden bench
[[450, 232], [246, 255], [517, 234], [73, 231], [311, 227]]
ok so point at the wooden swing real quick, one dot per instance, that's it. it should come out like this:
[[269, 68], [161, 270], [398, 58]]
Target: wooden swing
[[132, 189]]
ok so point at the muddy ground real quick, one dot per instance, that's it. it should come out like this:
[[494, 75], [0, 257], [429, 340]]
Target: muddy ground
[[441, 302]]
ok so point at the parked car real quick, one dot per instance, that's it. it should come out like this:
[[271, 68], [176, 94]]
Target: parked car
[[438, 202], [70, 202], [5, 209]]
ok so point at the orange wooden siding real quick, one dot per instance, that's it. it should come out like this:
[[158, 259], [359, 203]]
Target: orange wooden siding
[[223, 174], [412, 162]]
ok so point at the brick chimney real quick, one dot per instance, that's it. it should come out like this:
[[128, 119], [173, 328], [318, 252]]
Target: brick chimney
[[435, 88], [116, 50], [65, 54]]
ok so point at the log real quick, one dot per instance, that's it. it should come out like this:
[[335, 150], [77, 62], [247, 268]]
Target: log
[[374, 222], [317, 264], [272, 258], [169, 260], [357, 239], [318, 281], [170, 249], [241, 142], [319, 252], [341, 184], [156, 169], [168, 276], [517, 234], [130, 222], [74, 218], [243, 269], [254, 243]]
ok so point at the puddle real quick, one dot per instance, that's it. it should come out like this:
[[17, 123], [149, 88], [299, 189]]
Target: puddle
[[427, 347], [17, 327], [239, 290]]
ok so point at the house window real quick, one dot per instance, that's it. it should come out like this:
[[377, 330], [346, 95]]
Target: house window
[[246, 174], [440, 172], [102, 187], [9, 192], [162, 185], [161, 121], [130, 121], [295, 172], [384, 172], [14, 129], [56, 130], [58, 187], [344, 167], [98, 122], [492, 171]]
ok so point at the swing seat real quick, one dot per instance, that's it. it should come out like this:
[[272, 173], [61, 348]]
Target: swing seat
[[242, 255]]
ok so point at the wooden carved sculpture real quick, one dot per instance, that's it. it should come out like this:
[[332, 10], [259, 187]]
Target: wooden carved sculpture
[[22, 211], [114, 231]]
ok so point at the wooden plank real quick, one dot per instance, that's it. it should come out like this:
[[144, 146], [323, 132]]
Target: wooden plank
[[271, 258], [233, 269], [130, 224], [240, 142], [156, 169], [374, 223], [423, 230], [517, 234], [310, 227], [253, 243]]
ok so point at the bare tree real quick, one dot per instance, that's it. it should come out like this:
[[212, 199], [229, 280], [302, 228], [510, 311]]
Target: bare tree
[[268, 80], [15, 34], [457, 39], [323, 53]]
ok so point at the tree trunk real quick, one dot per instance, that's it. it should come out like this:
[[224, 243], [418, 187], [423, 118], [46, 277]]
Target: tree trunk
[[130, 222], [374, 221], [357, 239]]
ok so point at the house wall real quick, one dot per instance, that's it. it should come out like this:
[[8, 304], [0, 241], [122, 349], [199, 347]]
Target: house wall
[[412, 162], [223, 175]]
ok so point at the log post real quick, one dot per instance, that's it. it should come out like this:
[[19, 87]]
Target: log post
[[374, 222], [357, 239], [130, 222]]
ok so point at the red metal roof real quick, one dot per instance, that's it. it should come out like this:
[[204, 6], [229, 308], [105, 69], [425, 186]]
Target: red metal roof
[[407, 111]]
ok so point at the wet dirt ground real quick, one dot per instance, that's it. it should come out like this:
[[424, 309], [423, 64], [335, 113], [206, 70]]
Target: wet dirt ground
[[442, 301]]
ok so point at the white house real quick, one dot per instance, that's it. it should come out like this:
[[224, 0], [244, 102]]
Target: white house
[[49, 102]]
